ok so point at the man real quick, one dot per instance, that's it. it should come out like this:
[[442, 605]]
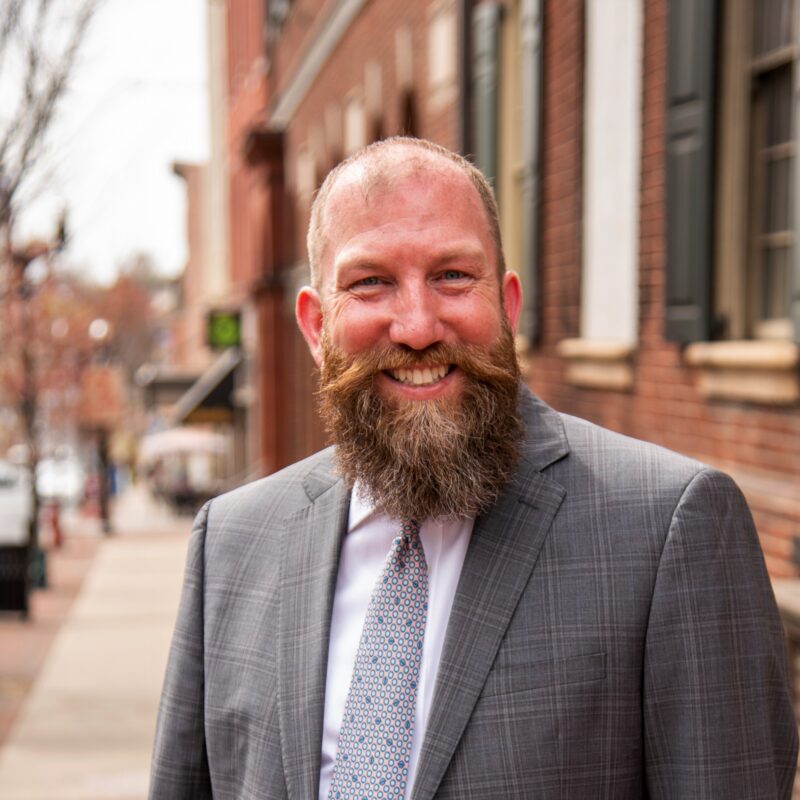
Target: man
[[471, 596]]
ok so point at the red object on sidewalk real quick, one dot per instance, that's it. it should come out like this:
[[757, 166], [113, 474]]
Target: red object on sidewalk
[[52, 518]]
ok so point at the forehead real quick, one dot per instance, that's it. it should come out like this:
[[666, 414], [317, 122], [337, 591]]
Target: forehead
[[428, 194]]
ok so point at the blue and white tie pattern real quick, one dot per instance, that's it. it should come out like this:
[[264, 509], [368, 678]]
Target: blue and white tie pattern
[[378, 724]]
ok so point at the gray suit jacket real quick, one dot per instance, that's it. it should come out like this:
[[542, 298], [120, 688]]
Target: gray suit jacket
[[614, 635]]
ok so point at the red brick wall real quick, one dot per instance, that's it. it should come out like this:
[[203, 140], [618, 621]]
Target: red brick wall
[[561, 193], [759, 445], [299, 27], [370, 37], [190, 347], [246, 101]]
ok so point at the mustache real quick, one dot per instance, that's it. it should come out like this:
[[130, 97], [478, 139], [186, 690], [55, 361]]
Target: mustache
[[341, 372], [435, 458]]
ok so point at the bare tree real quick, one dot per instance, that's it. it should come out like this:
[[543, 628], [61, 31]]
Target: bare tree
[[39, 44]]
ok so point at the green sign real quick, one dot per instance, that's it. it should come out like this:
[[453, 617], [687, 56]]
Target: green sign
[[224, 329]]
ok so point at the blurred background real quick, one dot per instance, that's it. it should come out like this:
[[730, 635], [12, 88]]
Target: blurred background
[[157, 165]]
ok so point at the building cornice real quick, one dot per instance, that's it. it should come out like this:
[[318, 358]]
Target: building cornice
[[319, 50]]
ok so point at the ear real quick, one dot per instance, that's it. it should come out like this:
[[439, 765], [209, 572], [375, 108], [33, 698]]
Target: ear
[[512, 298], [308, 311]]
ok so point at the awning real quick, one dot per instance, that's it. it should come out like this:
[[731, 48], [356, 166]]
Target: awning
[[163, 386], [210, 398], [180, 441]]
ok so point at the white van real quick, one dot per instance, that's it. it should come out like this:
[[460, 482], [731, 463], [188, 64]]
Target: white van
[[15, 504]]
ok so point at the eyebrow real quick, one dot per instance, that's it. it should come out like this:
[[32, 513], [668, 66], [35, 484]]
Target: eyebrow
[[468, 253], [465, 252]]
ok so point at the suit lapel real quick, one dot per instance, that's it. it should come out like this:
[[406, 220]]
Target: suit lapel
[[503, 551], [310, 558]]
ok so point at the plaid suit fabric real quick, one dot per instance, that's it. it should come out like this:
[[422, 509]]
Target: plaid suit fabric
[[613, 635]]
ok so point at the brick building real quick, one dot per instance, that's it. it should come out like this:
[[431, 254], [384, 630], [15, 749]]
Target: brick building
[[654, 340], [643, 153], [325, 79], [206, 378]]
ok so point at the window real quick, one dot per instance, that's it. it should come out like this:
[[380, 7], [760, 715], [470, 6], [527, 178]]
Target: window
[[442, 44], [733, 271], [306, 175], [506, 131], [772, 68], [276, 12], [754, 236], [355, 124], [731, 145], [373, 99]]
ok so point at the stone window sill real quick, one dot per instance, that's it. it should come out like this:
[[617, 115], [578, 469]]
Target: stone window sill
[[598, 364], [763, 372]]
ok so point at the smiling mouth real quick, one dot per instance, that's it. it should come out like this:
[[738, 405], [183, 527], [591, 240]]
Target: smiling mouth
[[420, 376]]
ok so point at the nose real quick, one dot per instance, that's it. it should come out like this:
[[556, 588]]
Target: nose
[[416, 323]]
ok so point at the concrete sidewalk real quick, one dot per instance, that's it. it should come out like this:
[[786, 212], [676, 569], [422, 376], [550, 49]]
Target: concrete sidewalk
[[87, 726]]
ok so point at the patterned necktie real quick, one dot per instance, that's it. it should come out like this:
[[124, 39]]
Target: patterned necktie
[[375, 739]]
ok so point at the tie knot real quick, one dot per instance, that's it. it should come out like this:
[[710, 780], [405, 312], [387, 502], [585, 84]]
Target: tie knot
[[409, 532]]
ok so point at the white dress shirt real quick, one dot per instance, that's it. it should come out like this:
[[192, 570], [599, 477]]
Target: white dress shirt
[[366, 545]]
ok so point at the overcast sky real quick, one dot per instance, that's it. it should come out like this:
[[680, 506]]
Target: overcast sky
[[137, 103]]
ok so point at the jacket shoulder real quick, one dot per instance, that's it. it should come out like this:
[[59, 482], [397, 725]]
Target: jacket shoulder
[[282, 492], [622, 458], [635, 478]]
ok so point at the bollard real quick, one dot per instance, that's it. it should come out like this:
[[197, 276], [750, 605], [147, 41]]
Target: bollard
[[52, 518]]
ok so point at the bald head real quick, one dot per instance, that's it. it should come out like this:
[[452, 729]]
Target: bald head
[[382, 165]]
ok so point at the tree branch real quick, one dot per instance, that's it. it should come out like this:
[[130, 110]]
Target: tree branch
[[10, 11], [45, 81]]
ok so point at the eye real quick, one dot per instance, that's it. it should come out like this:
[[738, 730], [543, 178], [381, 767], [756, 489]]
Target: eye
[[453, 275], [368, 286]]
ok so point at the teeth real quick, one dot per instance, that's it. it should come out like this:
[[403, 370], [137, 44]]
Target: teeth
[[420, 377]]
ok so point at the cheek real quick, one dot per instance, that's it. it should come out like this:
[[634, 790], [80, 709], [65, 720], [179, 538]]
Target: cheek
[[352, 330], [476, 323]]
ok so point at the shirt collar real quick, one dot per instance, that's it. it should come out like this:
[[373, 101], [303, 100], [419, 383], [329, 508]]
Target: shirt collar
[[361, 509]]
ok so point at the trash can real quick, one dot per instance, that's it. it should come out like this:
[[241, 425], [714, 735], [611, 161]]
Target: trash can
[[14, 578]]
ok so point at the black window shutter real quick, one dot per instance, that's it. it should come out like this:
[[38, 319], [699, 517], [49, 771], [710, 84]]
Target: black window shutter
[[485, 38], [794, 308], [690, 168], [531, 83]]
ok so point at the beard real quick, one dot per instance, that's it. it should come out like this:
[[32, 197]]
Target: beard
[[425, 458]]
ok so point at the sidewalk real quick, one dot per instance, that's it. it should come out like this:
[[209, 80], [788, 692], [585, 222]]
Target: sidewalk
[[25, 644], [85, 730]]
